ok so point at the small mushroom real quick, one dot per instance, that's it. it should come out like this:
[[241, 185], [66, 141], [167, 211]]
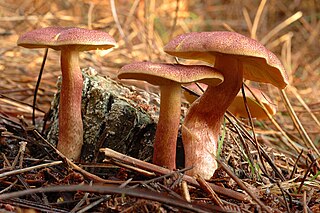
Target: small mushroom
[[236, 57], [70, 41], [237, 107], [169, 77]]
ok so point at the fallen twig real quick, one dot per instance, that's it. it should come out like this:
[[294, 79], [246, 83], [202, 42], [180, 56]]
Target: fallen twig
[[160, 170], [139, 193]]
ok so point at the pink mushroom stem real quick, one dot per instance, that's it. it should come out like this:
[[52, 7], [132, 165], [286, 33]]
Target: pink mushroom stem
[[70, 121], [167, 130], [201, 127]]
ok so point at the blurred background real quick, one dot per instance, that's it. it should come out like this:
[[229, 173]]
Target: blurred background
[[289, 28]]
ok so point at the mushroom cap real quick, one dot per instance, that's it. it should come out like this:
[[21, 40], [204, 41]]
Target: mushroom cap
[[164, 74], [61, 37], [259, 64], [238, 107]]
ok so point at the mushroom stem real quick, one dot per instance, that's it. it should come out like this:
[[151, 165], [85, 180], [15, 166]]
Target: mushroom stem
[[201, 127], [168, 125], [70, 121]]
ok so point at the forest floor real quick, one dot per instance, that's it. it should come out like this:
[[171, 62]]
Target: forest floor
[[281, 176]]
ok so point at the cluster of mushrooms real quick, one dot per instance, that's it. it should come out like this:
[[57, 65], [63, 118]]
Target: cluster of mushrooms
[[231, 57]]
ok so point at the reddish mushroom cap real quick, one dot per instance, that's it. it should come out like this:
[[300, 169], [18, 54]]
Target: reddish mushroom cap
[[59, 37], [259, 64], [162, 74]]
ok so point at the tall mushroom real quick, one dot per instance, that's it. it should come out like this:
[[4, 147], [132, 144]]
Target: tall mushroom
[[169, 77], [236, 57], [70, 41]]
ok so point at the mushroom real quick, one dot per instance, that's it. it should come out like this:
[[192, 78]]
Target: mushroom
[[169, 77], [237, 107], [70, 41], [236, 57]]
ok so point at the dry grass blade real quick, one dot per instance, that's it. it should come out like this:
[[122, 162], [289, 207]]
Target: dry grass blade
[[242, 131], [281, 26], [290, 143], [257, 19], [116, 20], [175, 19], [19, 106], [242, 134], [297, 123], [247, 19], [252, 128], [303, 103]]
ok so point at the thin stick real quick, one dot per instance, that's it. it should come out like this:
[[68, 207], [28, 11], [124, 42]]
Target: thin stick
[[305, 206], [205, 186], [295, 165], [284, 196], [22, 150], [139, 193], [19, 171], [93, 204], [133, 168], [290, 142], [305, 176], [264, 154], [242, 186], [265, 171], [160, 170], [89, 175], [185, 191], [37, 87]]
